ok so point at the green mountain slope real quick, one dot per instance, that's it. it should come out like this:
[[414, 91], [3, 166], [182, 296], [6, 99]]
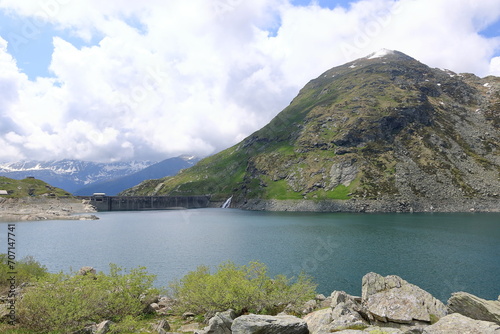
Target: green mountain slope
[[386, 127], [29, 187]]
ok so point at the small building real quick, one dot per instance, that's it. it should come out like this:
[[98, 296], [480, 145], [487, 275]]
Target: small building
[[98, 197], [4, 192]]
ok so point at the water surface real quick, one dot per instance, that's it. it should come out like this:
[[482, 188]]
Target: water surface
[[441, 253]]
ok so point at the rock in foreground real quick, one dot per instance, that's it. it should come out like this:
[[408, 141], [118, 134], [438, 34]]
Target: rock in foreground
[[266, 324], [394, 299], [475, 307], [457, 323]]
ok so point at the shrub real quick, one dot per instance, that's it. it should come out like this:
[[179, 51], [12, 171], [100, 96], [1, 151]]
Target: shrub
[[242, 288], [64, 302], [27, 270]]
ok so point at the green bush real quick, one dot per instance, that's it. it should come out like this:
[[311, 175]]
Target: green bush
[[27, 270], [65, 302], [242, 288]]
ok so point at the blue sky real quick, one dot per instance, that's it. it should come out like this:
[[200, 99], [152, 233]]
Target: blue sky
[[121, 79]]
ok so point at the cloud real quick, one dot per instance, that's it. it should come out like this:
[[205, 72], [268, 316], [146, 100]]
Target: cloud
[[167, 78]]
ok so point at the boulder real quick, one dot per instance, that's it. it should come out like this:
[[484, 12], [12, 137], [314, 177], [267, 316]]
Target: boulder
[[266, 324], [474, 307], [392, 299], [318, 322], [187, 315], [220, 323], [161, 327], [309, 306], [457, 323], [344, 317]]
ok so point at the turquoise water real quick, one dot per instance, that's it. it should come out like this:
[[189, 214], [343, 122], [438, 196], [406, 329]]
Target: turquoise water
[[441, 253]]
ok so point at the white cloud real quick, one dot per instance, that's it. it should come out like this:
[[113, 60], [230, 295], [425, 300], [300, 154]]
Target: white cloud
[[495, 66], [198, 76]]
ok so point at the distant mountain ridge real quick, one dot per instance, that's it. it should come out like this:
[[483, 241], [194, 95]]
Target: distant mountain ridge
[[167, 167], [70, 174], [381, 133]]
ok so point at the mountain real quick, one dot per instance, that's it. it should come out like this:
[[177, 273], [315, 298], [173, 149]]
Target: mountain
[[163, 168], [381, 133], [70, 174]]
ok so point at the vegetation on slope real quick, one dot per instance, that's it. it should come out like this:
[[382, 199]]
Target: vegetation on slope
[[29, 187], [62, 303], [373, 128]]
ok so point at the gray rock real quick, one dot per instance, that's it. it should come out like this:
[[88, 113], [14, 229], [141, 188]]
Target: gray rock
[[320, 297], [220, 323], [474, 307], [393, 299], [103, 327], [318, 322], [457, 323], [187, 315], [161, 327], [345, 317], [309, 306], [86, 271], [338, 297], [266, 324]]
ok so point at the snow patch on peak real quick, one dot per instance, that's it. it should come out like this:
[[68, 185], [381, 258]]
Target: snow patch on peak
[[380, 53]]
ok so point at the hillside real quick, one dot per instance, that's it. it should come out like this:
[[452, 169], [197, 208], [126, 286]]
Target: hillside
[[167, 167], [384, 128], [29, 187]]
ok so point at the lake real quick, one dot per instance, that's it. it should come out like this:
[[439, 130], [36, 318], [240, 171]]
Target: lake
[[441, 253]]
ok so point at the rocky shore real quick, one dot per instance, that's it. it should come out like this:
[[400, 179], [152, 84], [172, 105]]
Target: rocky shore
[[387, 305], [360, 205], [43, 208]]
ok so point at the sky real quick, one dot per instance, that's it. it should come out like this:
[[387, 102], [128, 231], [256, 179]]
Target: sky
[[121, 80]]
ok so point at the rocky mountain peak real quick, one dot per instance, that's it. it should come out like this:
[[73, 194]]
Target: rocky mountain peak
[[384, 128]]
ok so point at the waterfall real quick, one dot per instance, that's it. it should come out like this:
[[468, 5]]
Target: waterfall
[[227, 203]]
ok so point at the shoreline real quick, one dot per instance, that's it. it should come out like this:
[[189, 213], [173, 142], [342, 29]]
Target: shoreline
[[371, 206], [40, 208]]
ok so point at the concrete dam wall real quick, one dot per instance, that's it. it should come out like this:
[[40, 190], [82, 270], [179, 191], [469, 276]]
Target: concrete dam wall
[[137, 203]]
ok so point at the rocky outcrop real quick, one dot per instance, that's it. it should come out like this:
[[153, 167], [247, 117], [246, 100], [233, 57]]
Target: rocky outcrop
[[457, 323], [389, 303], [475, 307], [392, 299], [266, 324]]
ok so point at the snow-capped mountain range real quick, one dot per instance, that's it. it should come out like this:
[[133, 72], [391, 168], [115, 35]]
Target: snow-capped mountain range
[[71, 175], [84, 177]]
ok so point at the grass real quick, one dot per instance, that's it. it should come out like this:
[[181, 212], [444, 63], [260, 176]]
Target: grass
[[281, 190], [29, 187]]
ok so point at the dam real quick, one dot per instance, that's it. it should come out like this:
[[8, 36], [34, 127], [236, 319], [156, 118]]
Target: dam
[[137, 203]]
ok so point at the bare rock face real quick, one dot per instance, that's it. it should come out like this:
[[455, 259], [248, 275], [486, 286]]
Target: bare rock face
[[266, 324], [457, 323], [392, 299], [474, 307]]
